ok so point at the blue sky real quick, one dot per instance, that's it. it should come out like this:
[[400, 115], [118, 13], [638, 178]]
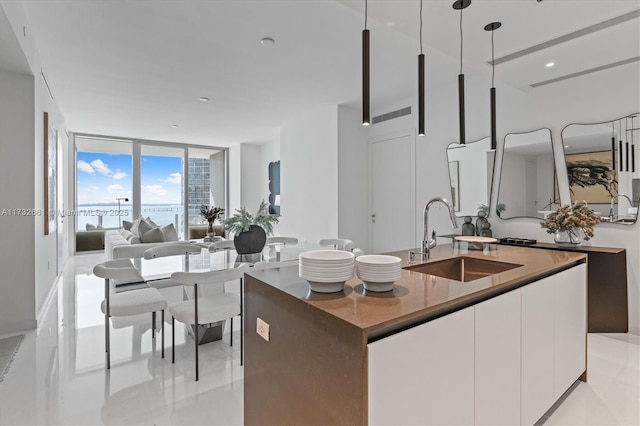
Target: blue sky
[[103, 177]]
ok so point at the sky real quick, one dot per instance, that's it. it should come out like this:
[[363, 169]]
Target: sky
[[104, 177]]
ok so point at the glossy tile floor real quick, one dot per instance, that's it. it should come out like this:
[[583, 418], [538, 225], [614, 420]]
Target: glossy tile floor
[[58, 376]]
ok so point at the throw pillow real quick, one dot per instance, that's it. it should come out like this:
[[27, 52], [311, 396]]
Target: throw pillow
[[153, 235], [127, 235], [127, 225], [143, 227], [89, 227], [152, 223], [170, 233], [135, 240], [134, 227]]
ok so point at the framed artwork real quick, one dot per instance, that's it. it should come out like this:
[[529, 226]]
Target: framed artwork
[[274, 187], [454, 178], [50, 175], [592, 177]]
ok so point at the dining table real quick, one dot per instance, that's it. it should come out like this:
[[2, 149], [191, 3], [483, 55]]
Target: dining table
[[157, 272]]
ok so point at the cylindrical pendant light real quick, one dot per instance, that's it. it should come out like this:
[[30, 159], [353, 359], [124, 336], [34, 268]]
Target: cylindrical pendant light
[[366, 113], [633, 147], [459, 5], [620, 153], [626, 138], [494, 140], [421, 82]]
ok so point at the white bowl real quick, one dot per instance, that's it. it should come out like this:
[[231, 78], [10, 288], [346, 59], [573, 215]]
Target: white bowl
[[378, 259], [378, 287], [325, 278], [327, 256], [323, 287], [379, 278], [326, 268]]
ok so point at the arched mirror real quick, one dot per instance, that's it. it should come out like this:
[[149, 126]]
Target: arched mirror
[[527, 176], [602, 167], [470, 175]]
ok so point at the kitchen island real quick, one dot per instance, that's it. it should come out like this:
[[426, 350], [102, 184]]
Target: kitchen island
[[436, 350]]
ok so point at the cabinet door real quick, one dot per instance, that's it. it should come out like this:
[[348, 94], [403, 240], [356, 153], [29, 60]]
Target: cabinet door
[[570, 325], [537, 349], [497, 360], [424, 375]]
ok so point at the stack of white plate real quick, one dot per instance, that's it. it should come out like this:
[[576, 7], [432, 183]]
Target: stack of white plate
[[326, 270], [378, 272]]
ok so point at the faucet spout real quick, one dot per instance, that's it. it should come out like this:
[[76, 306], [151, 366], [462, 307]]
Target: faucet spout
[[614, 197], [428, 244]]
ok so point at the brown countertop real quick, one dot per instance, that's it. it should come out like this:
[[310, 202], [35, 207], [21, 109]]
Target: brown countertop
[[419, 297]]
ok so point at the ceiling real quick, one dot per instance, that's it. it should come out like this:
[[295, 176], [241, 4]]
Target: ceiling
[[135, 68]]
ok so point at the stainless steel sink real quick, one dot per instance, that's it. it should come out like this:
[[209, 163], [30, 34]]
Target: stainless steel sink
[[463, 268]]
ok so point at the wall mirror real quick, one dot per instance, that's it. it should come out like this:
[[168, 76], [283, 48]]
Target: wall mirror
[[527, 176], [470, 175], [602, 167]]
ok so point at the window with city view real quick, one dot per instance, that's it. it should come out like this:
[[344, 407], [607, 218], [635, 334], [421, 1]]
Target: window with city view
[[105, 176]]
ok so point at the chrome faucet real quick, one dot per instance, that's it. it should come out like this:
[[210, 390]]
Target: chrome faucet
[[611, 208], [428, 244]]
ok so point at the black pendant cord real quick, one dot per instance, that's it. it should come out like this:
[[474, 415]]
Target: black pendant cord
[[620, 153], [421, 109], [494, 139], [461, 90], [366, 113]]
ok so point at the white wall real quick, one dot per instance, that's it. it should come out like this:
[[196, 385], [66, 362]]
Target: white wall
[[472, 175], [309, 175], [250, 185], [41, 261], [269, 152], [353, 190], [235, 179], [17, 242]]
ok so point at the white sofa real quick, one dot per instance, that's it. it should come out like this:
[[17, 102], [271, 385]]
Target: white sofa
[[118, 247]]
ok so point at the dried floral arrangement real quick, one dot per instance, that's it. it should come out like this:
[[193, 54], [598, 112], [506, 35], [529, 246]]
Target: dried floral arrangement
[[211, 214], [567, 219]]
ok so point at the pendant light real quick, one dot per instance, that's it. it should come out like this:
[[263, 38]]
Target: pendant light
[[633, 147], [366, 113], [626, 145], [620, 154], [459, 5], [613, 147], [494, 141], [421, 82]]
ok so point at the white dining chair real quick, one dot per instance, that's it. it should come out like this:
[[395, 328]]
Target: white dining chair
[[171, 250], [337, 243], [282, 240], [127, 303], [272, 265], [213, 307], [222, 245]]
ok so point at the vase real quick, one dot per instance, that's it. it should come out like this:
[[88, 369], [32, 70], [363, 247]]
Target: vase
[[251, 241], [569, 237], [210, 231]]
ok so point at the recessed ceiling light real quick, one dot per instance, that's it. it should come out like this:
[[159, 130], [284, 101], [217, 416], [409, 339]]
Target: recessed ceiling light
[[204, 99], [175, 126], [267, 41], [391, 24], [566, 146], [550, 64]]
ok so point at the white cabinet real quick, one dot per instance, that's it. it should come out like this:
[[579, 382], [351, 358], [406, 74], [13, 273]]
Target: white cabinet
[[570, 328], [537, 349], [424, 375], [497, 360], [553, 339], [503, 361]]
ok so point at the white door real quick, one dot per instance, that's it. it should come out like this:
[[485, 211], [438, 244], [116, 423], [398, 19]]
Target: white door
[[392, 194]]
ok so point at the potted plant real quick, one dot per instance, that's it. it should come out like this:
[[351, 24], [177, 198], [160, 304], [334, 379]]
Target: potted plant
[[571, 225], [211, 214], [251, 230]]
